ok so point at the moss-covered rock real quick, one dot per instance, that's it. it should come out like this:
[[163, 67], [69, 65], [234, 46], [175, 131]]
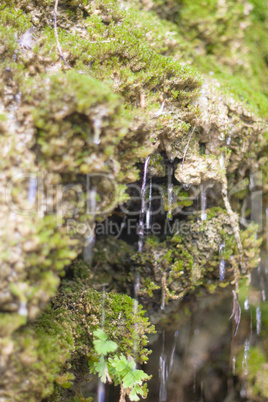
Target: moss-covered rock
[[59, 345], [126, 85]]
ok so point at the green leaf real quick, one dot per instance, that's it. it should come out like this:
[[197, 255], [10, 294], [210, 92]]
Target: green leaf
[[134, 377], [102, 345], [100, 368], [105, 347], [100, 334], [133, 395]]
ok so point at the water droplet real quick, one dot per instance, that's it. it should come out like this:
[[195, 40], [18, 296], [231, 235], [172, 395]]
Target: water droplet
[[245, 357], [32, 190], [246, 304], [222, 262], [233, 367], [203, 204], [23, 311], [258, 320]]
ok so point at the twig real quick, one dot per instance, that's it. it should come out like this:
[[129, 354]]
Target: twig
[[56, 32], [186, 148]]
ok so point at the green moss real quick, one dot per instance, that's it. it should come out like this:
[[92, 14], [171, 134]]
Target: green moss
[[53, 346], [99, 117]]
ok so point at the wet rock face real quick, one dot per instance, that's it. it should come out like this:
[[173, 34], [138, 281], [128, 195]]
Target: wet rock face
[[116, 100]]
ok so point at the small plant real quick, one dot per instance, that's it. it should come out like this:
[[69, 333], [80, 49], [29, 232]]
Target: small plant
[[118, 369]]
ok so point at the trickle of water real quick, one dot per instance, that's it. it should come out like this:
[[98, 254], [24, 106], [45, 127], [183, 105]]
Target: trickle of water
[[101, 387], [23, 311], [222, 262], [103, 306], [90, 239], [97, 130], [258, 320], [173, 351], [222, 160], [222, 269], [32, 190], [203, 204], [245, 358], [263, 295], [101, 391], [246, 304], [233, 366], [89, 243], [170, 192], [135, 312], [143, 206], [149, 209], [163, 372]]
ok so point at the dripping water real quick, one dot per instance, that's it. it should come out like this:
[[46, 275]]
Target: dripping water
[[170, 192], [32, 190], [222, 262], [203, 204], [173, 350], [140, 247], [246, 304], [234, 364], [101, 387], [258, 320], [149, 209], [263, 295], [89, 243], [23, 311], [245, 357], [143, 206], [222, 160], [135, 313], [163, 372], [90, 239], [101, 391]]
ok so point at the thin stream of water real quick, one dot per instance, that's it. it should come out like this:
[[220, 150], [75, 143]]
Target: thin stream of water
[[143, 206], [163, 372], [203, 204], [170, 192], [32, 189], [149, 209], [101, 386], [90, 239], [222, 262]]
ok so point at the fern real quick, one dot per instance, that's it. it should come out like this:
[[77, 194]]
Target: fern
[[118, 368]]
